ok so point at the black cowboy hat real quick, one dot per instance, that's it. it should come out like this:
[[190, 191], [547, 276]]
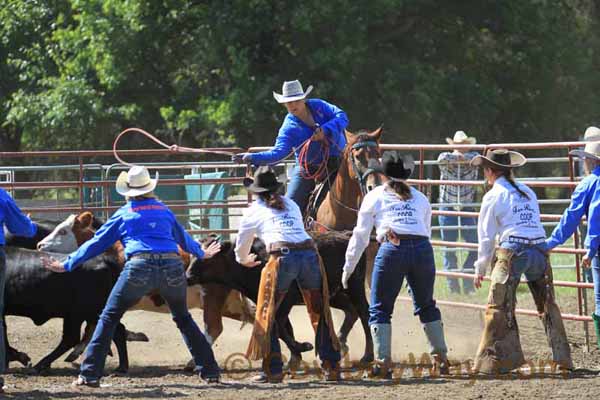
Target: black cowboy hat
[[396, 166], [500, 159], [264, 180]]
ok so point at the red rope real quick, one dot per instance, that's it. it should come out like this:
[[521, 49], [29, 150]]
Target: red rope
[[305, 163], [181, 149]]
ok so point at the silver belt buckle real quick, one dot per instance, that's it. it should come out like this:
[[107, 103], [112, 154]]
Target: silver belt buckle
[[285, 251]]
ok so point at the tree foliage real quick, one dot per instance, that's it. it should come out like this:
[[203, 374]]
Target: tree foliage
[[73, 73]]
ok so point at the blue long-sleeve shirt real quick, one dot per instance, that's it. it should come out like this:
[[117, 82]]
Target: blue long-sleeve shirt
[[143, 226], [585, 200], [14, 220], [294, 132]]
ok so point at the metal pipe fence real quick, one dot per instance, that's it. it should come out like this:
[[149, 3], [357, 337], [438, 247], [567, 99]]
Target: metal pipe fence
[[77, 184]]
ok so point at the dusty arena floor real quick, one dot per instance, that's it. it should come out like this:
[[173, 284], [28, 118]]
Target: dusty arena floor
[[157, 367]]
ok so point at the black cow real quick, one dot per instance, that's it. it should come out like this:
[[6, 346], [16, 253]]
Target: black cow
[[223, 269], [33, 291]]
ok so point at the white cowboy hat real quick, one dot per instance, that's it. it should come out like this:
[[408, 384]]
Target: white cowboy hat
[[592, 133], [136, 182], [292, 91], [591, 150], [461, 137], [499, 159]]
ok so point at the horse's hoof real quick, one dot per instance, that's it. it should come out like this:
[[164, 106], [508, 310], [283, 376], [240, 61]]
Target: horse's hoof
[[24, 360], [304, 347], [136, 337], [295, 362]]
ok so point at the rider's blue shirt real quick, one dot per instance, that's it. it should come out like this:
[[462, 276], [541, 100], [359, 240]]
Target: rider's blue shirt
[[294, 132], [143, 226], [584, 200], [14, 220]]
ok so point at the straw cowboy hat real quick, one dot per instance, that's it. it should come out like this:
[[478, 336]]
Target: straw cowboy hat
[[499, 159], [292, 91], [264, 180], [396, 167], [591, 151], [460, 137], [592, 133], [136, 182]]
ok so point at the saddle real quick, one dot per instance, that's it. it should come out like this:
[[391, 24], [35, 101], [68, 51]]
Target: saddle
[[321, 189]]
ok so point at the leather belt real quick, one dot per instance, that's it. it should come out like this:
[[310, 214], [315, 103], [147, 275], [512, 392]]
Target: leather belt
[[149, 256], [285, 247], [396, 238], [524, 240]]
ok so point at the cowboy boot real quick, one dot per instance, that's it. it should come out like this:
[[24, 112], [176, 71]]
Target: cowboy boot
[[435, 336], [382, 345], [596, 319], [543, 295], [500, 347]]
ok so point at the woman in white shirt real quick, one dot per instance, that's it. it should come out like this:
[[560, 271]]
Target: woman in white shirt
[[510, 211], [277, 220], [402, 219]]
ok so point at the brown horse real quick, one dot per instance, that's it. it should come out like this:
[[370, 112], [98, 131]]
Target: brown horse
[[356, 176]]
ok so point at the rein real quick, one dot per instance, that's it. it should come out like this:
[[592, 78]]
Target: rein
[[361, 178], [176, 148]]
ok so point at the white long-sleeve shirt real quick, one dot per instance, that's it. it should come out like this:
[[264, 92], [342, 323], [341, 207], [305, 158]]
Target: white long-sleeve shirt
[[385, 210], [504, 212], [270, 225]]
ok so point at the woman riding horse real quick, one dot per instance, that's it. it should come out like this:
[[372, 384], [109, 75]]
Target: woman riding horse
[[315, 122]]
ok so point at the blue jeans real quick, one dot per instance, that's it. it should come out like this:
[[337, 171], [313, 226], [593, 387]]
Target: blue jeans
[[301, 266], [527, 259], [451, 235], [588, 275], [596, 280], [413, 259], [299, 189], [138, 278], [2, 332]]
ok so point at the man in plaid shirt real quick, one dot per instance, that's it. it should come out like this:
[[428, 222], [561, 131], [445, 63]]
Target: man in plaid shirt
[[456, 166]]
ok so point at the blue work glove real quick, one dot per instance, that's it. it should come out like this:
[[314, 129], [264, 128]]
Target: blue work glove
[[242, 158]]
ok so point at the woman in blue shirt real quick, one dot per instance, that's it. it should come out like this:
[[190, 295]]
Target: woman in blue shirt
[[18, 224], [150, 234], [306, 119]]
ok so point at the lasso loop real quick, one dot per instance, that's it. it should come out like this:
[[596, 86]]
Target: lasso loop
[[174, 148]]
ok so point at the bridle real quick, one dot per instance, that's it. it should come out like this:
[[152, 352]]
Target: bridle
[[361, 176]]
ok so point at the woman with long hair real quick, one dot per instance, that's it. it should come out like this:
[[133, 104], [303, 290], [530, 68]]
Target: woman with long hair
[[510, 212], [401, 216], [277, 220]]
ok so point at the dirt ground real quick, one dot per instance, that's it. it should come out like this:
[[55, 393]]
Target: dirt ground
[[157, 367]]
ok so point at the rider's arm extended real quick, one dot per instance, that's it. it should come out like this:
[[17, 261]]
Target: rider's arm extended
[[282, 148]]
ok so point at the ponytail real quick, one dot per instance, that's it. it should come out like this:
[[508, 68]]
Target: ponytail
[[273, 200], [508, 175], [401, 189]]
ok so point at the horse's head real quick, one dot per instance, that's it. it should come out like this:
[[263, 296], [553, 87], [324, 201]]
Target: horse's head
[[362, 155], [69, 234]]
